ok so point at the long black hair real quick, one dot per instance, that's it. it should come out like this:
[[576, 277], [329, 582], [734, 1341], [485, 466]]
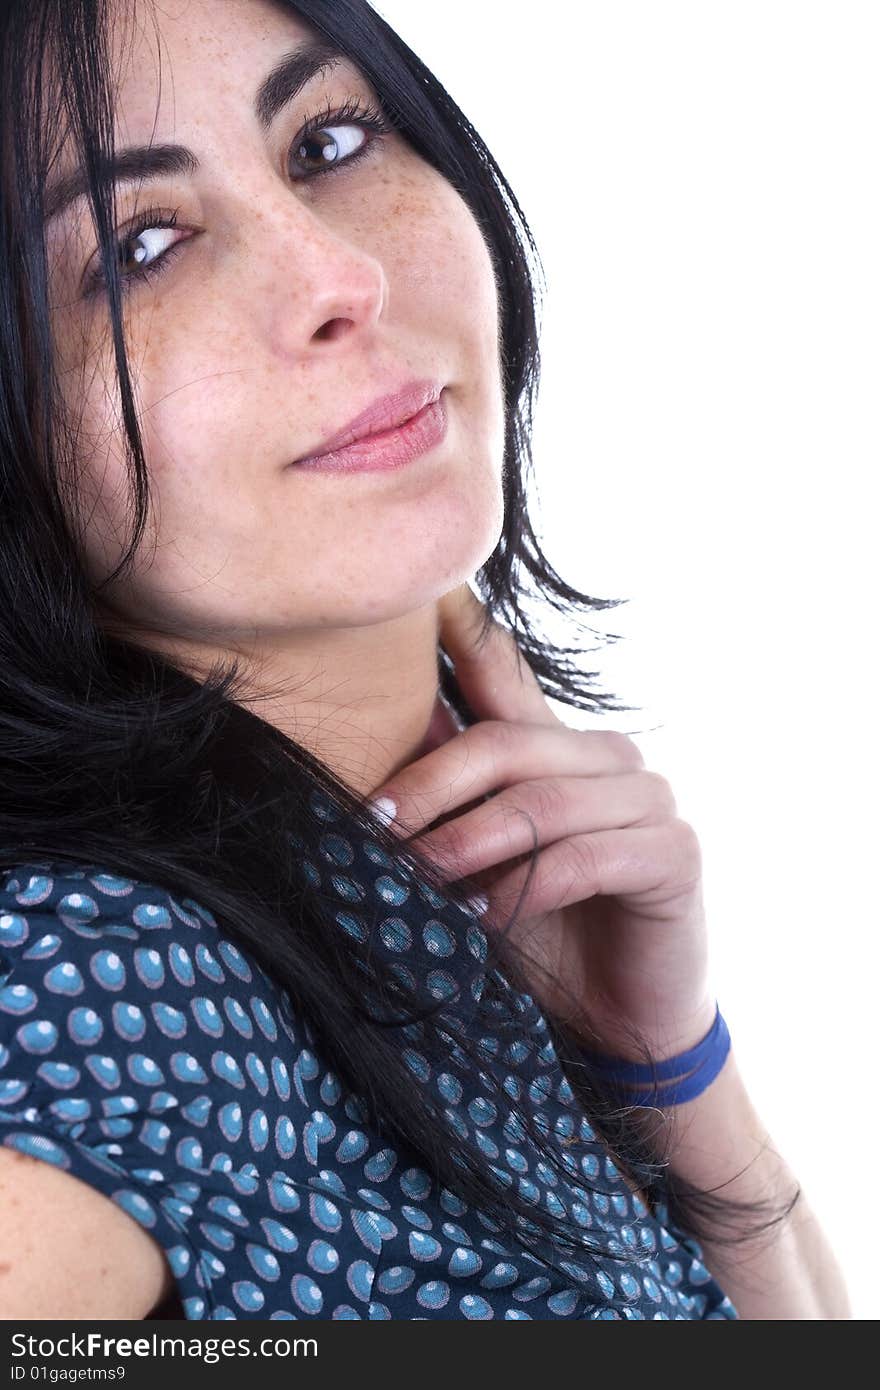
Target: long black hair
[[112, 756]]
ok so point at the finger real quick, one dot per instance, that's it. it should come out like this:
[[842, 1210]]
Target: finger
[[492, 755], [605, 863], [534, 814], [494, 676]]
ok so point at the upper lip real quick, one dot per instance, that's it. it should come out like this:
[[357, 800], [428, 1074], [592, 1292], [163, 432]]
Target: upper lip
[[386, 413]]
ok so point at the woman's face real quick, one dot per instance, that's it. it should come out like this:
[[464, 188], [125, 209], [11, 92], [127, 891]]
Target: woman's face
[[288, 301]]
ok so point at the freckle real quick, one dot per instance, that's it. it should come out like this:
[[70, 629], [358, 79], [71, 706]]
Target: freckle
[[5, 1268]]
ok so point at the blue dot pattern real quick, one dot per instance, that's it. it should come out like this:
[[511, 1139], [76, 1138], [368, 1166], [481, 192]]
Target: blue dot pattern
[[144, 1052]]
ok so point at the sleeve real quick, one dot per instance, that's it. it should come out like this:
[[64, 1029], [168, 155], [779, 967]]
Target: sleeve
[[83, 1085]]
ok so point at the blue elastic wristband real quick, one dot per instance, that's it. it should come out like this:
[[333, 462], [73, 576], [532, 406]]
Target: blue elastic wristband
[[702, 1063], [638, 1072]]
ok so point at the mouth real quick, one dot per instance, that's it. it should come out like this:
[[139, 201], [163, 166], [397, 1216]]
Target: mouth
[[388, 449], [384, 415]]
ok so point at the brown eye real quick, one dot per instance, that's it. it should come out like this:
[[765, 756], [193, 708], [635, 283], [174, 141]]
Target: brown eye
[[135, 258], [334, 138], [330, 146], [135, 266]]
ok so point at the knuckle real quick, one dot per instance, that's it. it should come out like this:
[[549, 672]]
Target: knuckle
[[580, 859], [501, 732], [497, 742], [546, 801], [450, 843], [690, 851], [663, 797], [486, 736], [624, 749]]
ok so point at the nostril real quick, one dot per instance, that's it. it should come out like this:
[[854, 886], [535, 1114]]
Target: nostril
[[333, 328]]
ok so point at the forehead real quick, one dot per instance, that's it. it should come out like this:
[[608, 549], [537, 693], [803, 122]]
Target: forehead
[[173, 60]]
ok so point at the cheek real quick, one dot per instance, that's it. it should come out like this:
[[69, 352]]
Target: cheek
[[436, 260], [443, 278], [179, 382], [101, 477], [92, 401]]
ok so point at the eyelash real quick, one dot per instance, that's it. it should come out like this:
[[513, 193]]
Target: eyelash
[[365, 114]]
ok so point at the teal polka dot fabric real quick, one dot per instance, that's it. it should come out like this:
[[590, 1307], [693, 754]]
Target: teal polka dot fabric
[[144, 1052]]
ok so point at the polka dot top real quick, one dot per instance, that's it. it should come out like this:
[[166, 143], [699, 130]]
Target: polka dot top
[[147, 1054]]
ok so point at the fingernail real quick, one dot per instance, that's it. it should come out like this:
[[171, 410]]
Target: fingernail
[[479, 903], [384, 808]]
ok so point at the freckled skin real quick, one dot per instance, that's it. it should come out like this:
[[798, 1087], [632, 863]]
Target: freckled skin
[[68, 1251], [290, 304]]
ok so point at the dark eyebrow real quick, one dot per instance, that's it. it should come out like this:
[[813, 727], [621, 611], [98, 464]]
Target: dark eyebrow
[[141, 162]]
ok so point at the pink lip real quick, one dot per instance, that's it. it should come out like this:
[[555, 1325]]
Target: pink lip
[[388, 449], [384, 414]]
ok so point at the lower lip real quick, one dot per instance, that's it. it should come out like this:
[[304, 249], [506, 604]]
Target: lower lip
[[388, 450]]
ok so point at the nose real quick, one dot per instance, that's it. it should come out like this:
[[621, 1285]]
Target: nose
[[321, 284]]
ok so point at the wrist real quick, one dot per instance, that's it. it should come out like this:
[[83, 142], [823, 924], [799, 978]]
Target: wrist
[[671, 1080]]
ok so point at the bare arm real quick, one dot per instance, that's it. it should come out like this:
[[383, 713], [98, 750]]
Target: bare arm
[[791, 1270], [68, 1252]]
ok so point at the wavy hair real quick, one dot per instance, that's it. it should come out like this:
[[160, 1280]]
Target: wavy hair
[[112, 756]]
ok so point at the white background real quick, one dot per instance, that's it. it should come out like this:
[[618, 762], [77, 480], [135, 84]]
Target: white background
[[702, 182]]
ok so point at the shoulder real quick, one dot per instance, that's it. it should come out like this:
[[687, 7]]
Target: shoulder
[[130, 982], [55, 919], [89, 903]]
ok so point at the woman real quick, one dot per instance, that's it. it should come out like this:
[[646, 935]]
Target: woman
[[262, 1055]]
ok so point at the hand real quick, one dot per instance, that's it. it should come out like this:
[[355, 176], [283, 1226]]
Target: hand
[[615, 909]]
